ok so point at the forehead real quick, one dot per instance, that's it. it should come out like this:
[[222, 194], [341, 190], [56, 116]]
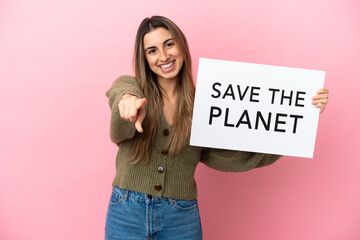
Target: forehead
[[156, 37]]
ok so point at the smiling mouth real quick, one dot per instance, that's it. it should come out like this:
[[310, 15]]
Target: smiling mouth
[[166, 66]]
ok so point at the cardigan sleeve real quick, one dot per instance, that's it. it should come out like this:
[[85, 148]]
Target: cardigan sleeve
[[235, 161], [121, 129]]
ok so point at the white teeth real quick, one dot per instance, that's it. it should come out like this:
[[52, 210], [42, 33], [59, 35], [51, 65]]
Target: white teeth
[[167, 65]]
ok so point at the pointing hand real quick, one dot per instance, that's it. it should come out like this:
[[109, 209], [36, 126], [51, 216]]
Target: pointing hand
[[132, 109]]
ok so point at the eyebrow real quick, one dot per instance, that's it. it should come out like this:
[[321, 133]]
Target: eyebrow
[[163, 43]]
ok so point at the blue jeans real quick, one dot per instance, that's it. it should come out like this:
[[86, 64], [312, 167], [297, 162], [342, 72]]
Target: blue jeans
[[134, 216]]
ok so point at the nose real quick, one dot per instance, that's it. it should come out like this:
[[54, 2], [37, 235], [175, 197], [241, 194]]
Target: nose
[[164, 56]]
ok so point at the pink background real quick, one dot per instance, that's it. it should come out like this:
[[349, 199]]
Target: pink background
[[57, 162]]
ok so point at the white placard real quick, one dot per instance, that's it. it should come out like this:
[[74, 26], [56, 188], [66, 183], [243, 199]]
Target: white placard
[[256, 108]]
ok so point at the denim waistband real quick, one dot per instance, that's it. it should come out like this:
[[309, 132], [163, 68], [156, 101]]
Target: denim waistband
[[140, 196]]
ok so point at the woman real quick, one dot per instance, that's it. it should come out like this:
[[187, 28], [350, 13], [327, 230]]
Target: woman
[[154, 191]]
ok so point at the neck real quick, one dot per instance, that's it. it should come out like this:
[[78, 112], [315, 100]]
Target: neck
[[168, 87]]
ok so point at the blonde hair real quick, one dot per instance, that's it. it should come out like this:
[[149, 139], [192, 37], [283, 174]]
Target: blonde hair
[[180, 134]]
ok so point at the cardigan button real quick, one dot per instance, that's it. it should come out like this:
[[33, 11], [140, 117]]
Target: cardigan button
[[158, 187], [165, 152], [166, 132], [160, 169]]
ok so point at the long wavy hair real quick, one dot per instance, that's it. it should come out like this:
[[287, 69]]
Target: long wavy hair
[[147, 79]]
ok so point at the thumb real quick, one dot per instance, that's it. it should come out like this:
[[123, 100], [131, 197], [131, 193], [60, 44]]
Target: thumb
[[141, 103]]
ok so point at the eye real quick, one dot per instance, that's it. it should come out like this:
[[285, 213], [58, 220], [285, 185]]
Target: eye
[[170, 44], [152, 51]]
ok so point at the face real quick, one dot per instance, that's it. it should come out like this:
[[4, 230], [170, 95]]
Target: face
[[163, 54]]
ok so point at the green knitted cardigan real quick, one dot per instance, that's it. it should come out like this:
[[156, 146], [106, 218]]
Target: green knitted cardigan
[[162, 176]]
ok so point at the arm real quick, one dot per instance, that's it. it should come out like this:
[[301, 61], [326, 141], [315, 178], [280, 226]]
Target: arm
[[235, 161], [121, 129]]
